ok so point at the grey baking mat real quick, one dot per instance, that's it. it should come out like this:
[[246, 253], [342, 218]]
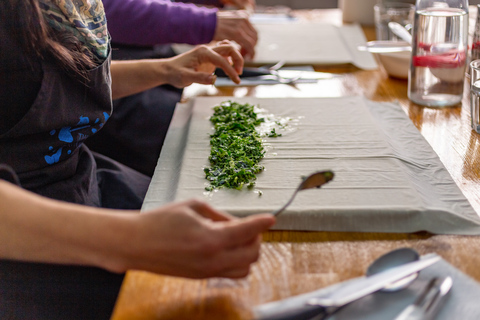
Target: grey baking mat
[[388, 178], [462, 302]]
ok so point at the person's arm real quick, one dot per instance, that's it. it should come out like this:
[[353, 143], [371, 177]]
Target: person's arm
[[151, 22], [240, 4], [147, 23], [197, 65], [188, 239]]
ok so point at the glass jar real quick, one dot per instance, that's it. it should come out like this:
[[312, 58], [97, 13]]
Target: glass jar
[[476, 37], [439, 52]]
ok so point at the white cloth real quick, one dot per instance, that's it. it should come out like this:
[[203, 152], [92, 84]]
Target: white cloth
[[387, 177]]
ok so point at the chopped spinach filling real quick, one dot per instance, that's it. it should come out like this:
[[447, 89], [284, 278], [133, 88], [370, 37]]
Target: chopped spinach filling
[[236, 146]]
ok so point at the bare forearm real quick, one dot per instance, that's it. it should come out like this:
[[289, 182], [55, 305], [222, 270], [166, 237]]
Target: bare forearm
[[131, 77], [33, 228], [189, 239], [194, 66]]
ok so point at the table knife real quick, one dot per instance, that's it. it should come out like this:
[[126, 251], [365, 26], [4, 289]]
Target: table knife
[[323, 304], [247, 72]]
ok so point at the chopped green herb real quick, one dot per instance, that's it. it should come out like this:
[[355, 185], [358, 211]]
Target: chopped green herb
[[273, 134], [236, 146]]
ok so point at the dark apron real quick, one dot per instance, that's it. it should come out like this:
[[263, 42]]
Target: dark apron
[[135, 133], [45, 149]]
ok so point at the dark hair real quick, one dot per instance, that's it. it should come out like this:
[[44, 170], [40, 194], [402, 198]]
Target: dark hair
[[36, 37]]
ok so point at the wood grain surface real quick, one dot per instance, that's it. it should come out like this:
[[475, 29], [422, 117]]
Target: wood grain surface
[[296, 262]]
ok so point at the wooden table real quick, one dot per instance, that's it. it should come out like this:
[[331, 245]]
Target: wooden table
[[296, 262]]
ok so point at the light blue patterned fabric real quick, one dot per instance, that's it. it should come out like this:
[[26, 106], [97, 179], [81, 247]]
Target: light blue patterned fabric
[[84, 18]]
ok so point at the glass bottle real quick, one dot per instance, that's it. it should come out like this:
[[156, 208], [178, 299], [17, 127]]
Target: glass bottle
[[439, 52], [476, 37]]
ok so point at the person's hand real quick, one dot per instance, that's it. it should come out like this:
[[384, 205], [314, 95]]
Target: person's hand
[[241, 4], [198, 64], [235, 26], [191, 239]]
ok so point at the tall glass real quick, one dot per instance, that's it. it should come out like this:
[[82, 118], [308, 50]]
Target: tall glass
[[439, 52], [476, 37], [386, 12]]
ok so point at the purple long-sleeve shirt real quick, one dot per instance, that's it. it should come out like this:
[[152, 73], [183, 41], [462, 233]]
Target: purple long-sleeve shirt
[[150, 22]]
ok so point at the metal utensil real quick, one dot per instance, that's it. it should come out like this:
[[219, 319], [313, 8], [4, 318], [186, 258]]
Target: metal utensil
[[315, 180], [249, 72], [385, 46], [400, 31], [326, 302], [279, 79], [261, 74], [428, 303], [275, 66], [392, 259]]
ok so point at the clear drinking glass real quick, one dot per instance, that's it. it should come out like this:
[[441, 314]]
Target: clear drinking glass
[[386, 12], [475, 94], [439, 52]]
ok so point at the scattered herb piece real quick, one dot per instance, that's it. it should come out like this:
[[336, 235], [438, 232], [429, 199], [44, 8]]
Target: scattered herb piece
[[273, 134]]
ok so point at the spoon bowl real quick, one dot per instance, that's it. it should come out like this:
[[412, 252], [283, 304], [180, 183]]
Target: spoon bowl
[[393, 259], [400, 31]]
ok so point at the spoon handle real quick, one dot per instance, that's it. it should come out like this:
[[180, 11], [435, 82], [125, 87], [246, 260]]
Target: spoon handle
[[278, 211], [315, 180]]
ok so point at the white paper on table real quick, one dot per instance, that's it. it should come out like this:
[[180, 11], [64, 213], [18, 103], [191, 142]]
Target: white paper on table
[[308, 43], [387, 176], [312, 43]]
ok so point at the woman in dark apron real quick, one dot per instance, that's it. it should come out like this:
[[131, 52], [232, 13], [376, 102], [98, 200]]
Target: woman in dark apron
[[66, 109], [55, 92]]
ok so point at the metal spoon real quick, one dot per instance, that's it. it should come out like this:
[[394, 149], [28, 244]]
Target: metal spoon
[[385, 262], [393, 259], [385, 46], [405, 35], [400, 31], [315, 180]]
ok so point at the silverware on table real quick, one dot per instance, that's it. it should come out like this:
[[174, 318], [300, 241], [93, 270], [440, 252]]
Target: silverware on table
[[262, 74], [278, 78], [325, 304], [384, 46], [428, 303], [282, 76]]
